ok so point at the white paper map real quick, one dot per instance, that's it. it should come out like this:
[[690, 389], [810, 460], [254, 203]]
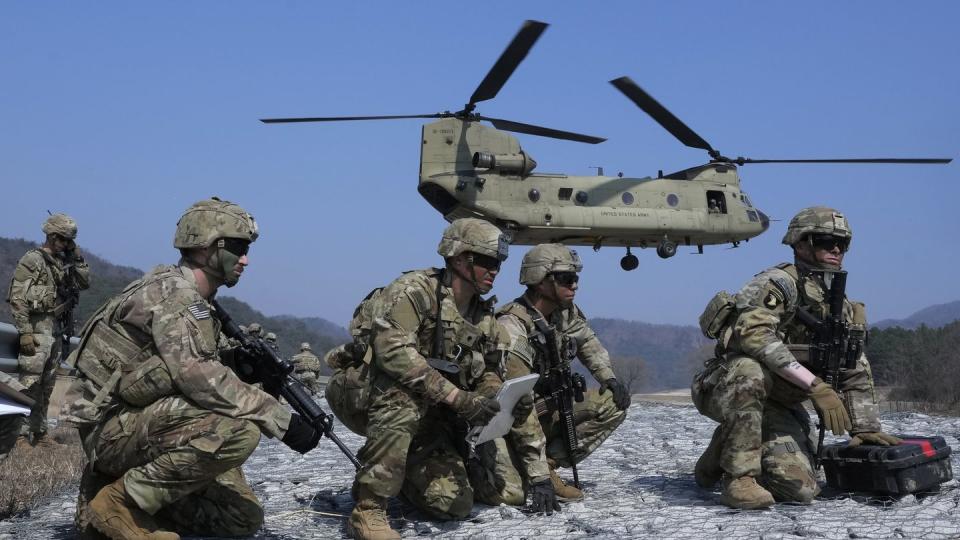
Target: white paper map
[[511, 392]]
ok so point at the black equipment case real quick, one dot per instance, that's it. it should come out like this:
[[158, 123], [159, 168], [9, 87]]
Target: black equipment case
[[916, 464]]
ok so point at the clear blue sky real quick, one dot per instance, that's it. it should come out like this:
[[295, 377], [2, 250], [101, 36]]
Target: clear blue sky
[[124, 113]]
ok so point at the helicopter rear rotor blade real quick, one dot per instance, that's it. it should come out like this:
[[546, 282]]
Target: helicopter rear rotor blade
[[530, 129], [741, 161], [508, 61], [346, 118], [660, 113]]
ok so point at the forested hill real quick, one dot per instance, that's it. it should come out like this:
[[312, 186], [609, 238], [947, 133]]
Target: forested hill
[[671, 353], [107, 279], [932, 316]]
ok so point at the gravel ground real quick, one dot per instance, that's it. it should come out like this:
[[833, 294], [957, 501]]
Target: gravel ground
[[638, 485]]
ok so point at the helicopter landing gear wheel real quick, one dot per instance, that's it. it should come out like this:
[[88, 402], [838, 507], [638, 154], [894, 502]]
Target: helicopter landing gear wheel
[[666, 249], [629, 261]]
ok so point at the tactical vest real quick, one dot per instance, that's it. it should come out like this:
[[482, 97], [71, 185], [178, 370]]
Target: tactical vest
[[41, 295], [720, 314], [536, 339], [455, 348], [117, 364]]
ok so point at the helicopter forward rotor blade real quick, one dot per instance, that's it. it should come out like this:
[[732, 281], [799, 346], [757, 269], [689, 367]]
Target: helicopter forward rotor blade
[[346, 118], [531, 129], [508, 61], [933, 161], [660, 113]]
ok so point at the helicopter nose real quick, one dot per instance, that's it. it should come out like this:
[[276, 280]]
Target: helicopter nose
[[764, 220]]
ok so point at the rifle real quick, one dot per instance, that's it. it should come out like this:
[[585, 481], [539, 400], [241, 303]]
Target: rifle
[[64, 312], [561, 386], [261, 363], [832, 350]]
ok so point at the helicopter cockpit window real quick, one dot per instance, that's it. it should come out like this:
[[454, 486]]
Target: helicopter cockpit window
[[716, 202], [582, 197], [746, 200], [673, 200], [534, 195], [565, 193], [627, 197]]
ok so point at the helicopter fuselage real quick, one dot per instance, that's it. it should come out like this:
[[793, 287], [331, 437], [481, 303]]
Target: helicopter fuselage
[[471, 170]]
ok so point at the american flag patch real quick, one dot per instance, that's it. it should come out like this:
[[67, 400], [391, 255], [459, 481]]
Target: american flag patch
[[199, 311]]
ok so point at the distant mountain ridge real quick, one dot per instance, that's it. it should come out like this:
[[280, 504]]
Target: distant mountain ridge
[[934, 316], [108, 279]]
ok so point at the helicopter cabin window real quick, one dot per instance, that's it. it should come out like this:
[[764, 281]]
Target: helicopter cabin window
[[534, 195], [716, 202], [565, 193], [627, 198], [582, 197], [673, 200]]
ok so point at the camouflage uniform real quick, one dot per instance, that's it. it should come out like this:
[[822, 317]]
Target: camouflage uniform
[[156, 408], [414, 442], [597, 416], [764, 429], [306, 366], [37, 298]]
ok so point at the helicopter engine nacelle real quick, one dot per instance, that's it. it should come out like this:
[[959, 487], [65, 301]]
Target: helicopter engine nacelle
[[520, 164]]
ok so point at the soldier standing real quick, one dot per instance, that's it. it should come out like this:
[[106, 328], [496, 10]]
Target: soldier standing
[[551, 275], [437, 352], [42, 295], [762, 375], [160, 417], [306, 367]]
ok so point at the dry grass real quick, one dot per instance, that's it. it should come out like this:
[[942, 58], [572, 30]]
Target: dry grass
[[30, 475]]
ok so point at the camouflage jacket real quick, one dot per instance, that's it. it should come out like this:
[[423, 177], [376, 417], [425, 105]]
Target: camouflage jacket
[[305, 361], [404, 332], [572, 329], [36, 289], [766, 328], [159, 338]]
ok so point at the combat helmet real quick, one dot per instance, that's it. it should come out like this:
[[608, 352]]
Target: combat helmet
[[304, 346], [271, 337], [211, 219], [817, 220], [61, 224], [545, 259], [475, 236], [255, 329]]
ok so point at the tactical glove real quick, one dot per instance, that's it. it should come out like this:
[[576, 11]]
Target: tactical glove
[[873, 437], [828, 405], [621, 398], [475, 408], [300, 436], [28, 345], [543, 499], [522, 410]]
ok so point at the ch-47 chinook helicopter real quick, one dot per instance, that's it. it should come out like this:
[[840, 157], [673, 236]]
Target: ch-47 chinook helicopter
[[470, 170]]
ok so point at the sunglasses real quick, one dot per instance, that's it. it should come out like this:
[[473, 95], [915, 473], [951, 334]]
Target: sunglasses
[[234, 245], [566, 279], [828, 242], [486, 262]]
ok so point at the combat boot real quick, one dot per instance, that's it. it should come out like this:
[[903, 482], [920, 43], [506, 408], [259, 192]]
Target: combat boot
[[114, 513], [565, 493], [707, 471], [44, 441], [368, 521], [745, 493]]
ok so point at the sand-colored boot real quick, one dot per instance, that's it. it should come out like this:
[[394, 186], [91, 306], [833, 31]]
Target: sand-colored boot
[[565, 493], [707, 471], [114, 513], [745, 493], [368, 521]]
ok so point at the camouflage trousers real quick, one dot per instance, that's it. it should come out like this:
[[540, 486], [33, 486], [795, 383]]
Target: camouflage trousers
[[764, 430], [182, 464], [595, 418], [416, 449], [37, 372], [9, 431], [309, 380]]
